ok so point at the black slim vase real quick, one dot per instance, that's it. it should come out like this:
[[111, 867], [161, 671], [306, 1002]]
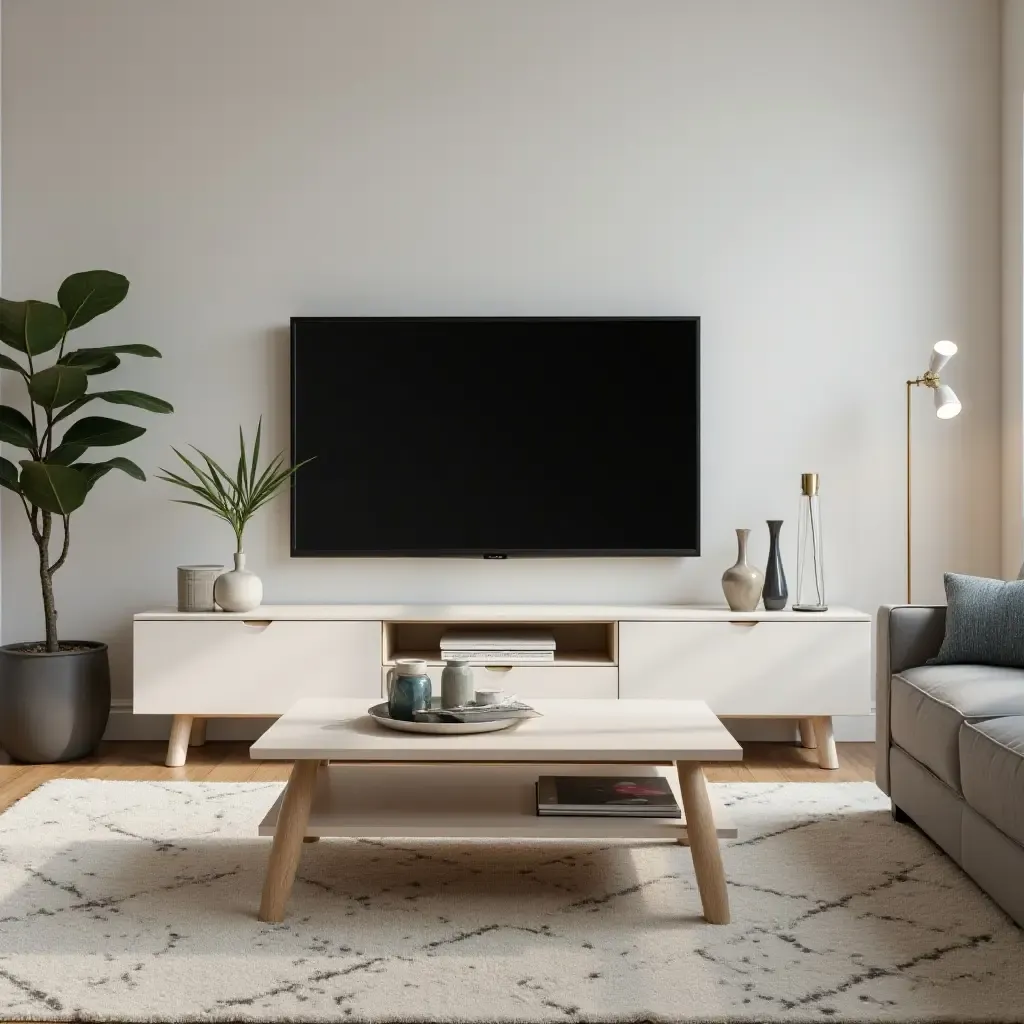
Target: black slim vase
[[775, 593]]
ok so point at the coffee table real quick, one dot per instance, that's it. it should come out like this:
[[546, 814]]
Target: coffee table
[[403, 784]]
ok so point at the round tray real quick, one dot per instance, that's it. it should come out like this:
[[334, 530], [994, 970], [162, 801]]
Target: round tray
[[379, 713]]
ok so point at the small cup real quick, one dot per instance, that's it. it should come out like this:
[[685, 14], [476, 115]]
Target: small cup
[[489, 696]]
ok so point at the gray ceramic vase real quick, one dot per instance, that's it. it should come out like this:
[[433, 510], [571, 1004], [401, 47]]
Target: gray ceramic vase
[[53, 707], [741, 582], [457, 686], [776, 592]]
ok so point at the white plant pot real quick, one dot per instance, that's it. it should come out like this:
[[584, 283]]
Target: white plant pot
[[238, 590]]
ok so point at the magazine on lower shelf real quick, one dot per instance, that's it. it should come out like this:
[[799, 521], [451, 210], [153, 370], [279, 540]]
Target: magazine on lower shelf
[[617, 796]]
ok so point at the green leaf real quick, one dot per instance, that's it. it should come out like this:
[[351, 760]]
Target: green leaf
[[88, 294], [7, 363], [219, 477], [208, 483], [58, 385], [16, 428], [242, 479], [100, 430], [65, 454], [9, 476], [255, 454], [105, 350], [91, 360], [31, 327], [57, 489], [136, 398], [94, 470], [204, 488], [206, 508]]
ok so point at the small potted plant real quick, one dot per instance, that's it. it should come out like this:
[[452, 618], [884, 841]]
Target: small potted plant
[[235, 499], [55, 694]]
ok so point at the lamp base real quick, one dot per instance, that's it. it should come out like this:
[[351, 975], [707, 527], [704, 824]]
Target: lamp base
[[810, 607]]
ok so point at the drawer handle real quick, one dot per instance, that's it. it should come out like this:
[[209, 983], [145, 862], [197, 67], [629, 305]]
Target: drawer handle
[[743, 622], [499, 668], [257, 623]]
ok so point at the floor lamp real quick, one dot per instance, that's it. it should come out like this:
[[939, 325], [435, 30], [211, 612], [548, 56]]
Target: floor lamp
[[947, 405]]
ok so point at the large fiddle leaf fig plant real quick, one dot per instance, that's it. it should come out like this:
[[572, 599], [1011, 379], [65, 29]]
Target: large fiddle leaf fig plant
[[53, 479]]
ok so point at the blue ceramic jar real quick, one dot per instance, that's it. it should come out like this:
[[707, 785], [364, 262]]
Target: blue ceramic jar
[[409, 688]]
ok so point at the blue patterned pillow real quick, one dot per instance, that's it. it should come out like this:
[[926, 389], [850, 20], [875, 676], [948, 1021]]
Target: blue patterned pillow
[[984, 623]]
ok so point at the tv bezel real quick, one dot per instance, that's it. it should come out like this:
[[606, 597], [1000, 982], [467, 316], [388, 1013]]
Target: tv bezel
[[297, 552]]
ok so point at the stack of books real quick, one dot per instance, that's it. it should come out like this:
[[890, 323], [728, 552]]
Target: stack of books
[[499, 646], [607, 797]]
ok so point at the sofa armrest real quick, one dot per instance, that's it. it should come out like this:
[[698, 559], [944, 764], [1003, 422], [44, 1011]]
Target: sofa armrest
[[907, 635]]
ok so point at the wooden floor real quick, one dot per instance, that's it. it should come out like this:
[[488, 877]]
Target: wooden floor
[[229, 762]]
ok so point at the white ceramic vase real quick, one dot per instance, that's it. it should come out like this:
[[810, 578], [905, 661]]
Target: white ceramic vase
[[238, 590]]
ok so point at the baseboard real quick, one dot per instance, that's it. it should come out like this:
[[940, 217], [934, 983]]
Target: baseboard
[[124, 725]]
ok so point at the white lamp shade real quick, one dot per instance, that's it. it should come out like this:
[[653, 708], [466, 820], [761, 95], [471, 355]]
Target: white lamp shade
[[947, 405], [941, 354]]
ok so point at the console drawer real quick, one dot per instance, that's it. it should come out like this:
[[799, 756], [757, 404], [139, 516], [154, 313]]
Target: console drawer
[[250, 667], [534, 682], [751, 667]]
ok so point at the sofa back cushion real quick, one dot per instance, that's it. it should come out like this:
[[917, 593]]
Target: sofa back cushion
[[984, 623]]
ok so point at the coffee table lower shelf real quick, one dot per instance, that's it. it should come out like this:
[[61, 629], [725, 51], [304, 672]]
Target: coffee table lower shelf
[[468, 801]]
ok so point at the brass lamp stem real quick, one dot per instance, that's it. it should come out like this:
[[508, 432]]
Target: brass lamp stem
[[910, 384], [928, 380]]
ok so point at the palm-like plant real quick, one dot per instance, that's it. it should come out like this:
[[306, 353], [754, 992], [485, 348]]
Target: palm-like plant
[[233, 498]]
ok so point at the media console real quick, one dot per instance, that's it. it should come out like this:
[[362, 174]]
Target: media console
[[792, 665]]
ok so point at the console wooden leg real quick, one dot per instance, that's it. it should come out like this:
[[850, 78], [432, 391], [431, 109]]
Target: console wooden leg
[[177, 745], [198, 735], [827, 756], [807, 739], [703, 839], [288, 836]]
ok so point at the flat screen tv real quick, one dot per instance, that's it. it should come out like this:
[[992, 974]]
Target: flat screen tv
[[496, 438]]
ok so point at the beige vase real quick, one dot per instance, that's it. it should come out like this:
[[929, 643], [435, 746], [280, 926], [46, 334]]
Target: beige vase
[[741, 582]]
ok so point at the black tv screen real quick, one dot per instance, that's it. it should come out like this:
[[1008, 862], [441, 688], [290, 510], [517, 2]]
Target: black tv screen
[[496, 437]]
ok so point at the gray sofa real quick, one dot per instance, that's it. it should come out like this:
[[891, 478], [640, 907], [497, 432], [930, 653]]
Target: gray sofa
[[950, 750]]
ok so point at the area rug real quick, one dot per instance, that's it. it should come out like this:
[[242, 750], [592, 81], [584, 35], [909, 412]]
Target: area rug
[[136, 901]]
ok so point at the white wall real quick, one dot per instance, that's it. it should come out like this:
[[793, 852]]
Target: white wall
[[1013, 272], [818, 181]]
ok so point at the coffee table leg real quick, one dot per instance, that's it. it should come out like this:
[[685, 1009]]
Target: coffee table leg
[[288, 834], [700, 828]]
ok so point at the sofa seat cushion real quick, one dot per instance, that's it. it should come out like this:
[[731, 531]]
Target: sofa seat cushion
[[929, 704], [992, 772]]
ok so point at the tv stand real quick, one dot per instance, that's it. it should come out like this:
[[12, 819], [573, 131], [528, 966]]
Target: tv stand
[[196, 666]]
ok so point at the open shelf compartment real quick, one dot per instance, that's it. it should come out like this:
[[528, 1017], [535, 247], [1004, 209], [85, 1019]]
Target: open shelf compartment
[[576, 643]]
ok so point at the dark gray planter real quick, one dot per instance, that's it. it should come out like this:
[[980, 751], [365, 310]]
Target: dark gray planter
[[53, 707]]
